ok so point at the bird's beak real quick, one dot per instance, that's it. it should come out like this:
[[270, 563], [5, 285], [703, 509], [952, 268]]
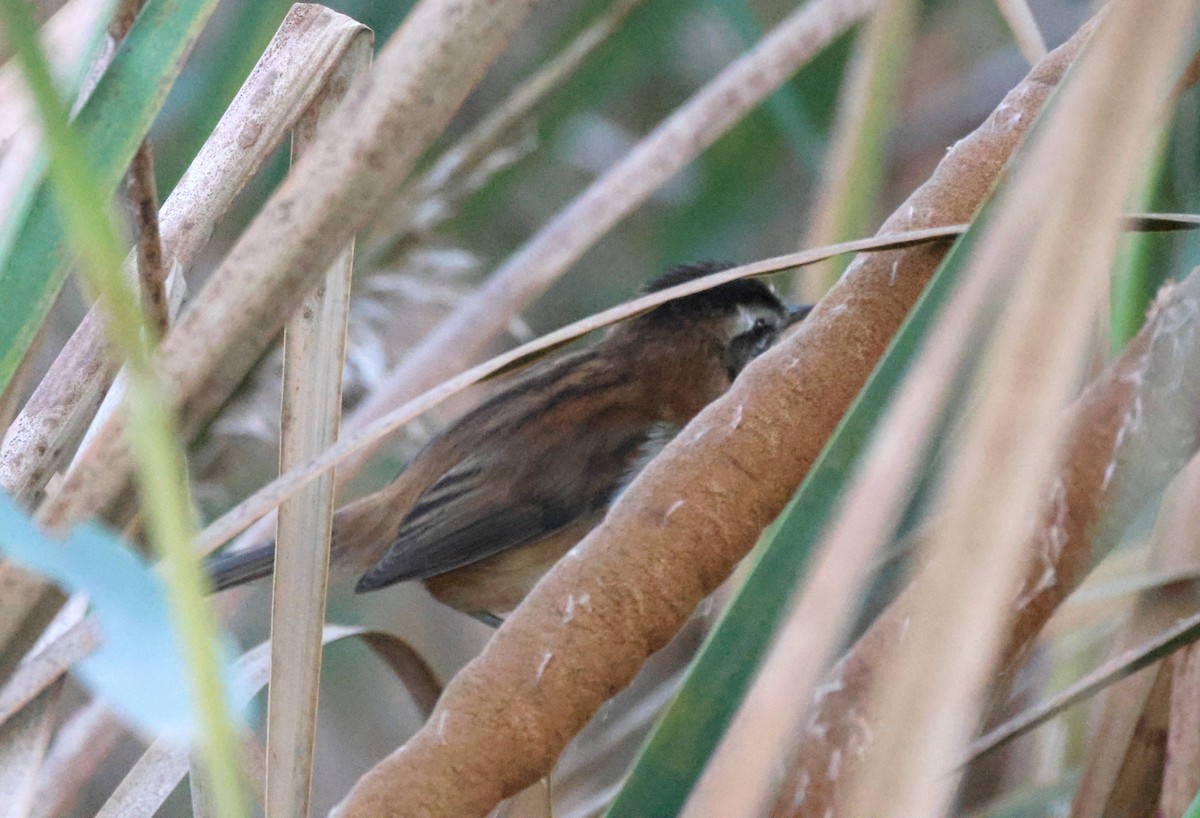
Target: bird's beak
[[797, 314]]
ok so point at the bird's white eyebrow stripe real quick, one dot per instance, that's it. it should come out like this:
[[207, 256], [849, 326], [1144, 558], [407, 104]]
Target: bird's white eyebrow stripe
[[746, 318]]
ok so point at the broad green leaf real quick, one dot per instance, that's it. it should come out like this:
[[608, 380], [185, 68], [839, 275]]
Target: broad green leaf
[[112, 124]]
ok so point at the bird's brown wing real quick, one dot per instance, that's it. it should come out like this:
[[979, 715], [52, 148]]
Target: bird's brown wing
[[462, 518], [553, 446], [449, 526]]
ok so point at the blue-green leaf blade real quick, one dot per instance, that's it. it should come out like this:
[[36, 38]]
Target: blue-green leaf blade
[[139, 667]]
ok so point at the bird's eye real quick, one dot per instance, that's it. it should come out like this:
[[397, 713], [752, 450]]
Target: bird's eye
[[760, 324]]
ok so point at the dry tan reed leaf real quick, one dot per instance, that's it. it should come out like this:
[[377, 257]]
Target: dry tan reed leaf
[[295, 66], [20, 592], [1121, 749], [33, 693], [1153, 222], [155, 776], [41, 669], [80, 744], [31, 696], [390, 117], [1142, 763], [1112, 744], [1132, 430], [1174, 548], [23, 742], [1182, 632], [1181, 770], [314, 345], [645, 569], [1078, 171], [1110, 592], [1178, 534], [1024, 27], [28, 608]]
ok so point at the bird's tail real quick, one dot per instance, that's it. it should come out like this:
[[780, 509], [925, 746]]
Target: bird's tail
[[362, 532], [230, 570]]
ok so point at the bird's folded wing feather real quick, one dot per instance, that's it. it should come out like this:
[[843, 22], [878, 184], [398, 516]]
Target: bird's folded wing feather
[[449, 527], [516, 486]]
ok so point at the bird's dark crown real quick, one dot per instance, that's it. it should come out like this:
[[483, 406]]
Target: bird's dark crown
[[744, 292]]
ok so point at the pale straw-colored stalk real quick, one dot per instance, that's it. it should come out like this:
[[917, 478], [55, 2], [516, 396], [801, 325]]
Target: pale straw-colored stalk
[[854, 168], [1078, 172], [1174, 547], [313, 361], [1024, 27]]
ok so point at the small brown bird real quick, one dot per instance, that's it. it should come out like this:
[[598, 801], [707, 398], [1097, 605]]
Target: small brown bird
[[496, 498]]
